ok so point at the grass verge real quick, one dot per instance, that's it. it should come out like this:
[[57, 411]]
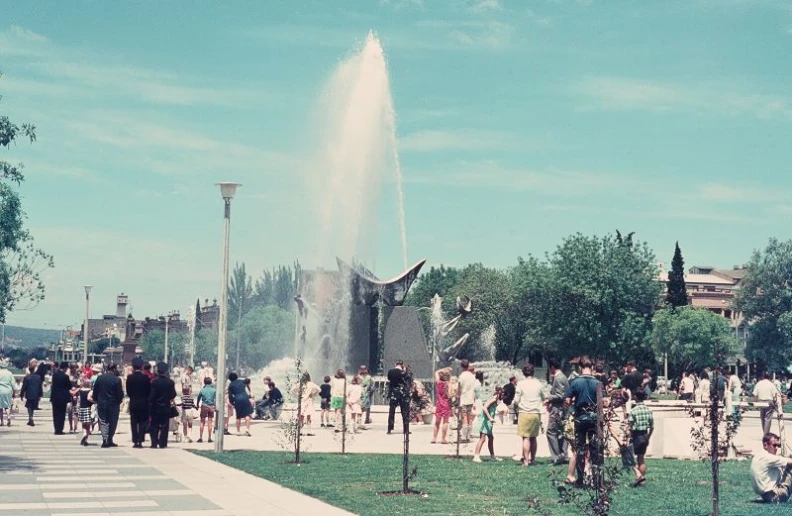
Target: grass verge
[[504, 488]]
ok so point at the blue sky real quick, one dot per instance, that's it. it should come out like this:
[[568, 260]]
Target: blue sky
[[519, 123]]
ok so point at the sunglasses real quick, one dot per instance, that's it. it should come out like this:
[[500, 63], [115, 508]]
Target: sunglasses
[[775, 445]]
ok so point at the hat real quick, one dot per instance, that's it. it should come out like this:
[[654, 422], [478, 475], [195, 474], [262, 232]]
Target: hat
[[96, 368], [4, 363]]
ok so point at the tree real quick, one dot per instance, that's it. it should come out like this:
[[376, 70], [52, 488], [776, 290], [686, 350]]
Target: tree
[[765, 299], [198, 315], [677, 291], [597, 297], [153, 345], [206, 345], [265, 334], [692, 338], [438, 280], [18, 259], [240, 294], [99, 346]]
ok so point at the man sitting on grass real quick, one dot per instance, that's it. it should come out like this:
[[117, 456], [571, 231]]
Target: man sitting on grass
[[772, 473]]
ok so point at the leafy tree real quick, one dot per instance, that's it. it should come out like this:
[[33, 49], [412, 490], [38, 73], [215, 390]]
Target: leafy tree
[[153, 345], [692, 337], [240, 294], [278, 286], [18, 259], [265, 334], [597, 297], [677, 291], [489, 291], [765, 299], [265, 287], [99, 346], [198, 316], [437, 280], [206, 345]]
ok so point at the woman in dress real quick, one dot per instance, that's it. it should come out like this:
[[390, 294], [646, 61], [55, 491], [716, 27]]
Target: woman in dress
[[486, 419], [238, 396], [7, 384], [442, 404]]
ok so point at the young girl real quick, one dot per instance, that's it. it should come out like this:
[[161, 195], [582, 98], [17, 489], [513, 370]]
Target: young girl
[[84, 409], [442, 405], [353, 398], [484, 423], [309, 392], [337, 395], [325, 395]]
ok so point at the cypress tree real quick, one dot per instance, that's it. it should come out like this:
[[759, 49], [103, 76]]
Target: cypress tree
[[677, 292]]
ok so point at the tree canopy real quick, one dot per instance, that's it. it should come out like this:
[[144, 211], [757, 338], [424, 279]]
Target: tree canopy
[[677, 290], [765, 299]]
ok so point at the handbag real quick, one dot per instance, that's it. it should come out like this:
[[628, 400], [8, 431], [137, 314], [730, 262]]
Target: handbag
[[173, 412], [627, 456]]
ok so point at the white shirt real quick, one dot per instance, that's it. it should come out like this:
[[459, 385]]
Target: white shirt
[[688, 387], [529, 396], [735, 385], [467, 385], [704, 390], [766, 470], [765, 390]]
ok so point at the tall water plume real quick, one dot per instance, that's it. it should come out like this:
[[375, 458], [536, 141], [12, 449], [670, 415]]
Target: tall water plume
[[358, 153]]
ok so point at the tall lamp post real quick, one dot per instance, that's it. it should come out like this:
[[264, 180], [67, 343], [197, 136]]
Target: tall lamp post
[[167, 319], [85, 327], [227, 190]]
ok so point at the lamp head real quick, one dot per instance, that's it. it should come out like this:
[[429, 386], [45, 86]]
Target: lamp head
[[88, 289], [228, 190]]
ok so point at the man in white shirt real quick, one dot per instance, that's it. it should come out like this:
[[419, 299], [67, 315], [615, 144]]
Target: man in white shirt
[[771, 473], [467, 398], [765, 393], [529, 399]]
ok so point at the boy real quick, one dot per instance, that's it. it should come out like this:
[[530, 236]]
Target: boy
[[641, 423], [325, 395], [206, 400], [187, 412]]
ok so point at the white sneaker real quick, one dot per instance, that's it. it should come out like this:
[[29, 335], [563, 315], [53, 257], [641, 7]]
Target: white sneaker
[[476, 458]]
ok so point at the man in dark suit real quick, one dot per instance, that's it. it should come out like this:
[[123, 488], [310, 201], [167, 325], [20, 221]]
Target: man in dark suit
[[60, 396], [138, 388], [163, 391], [398, 396], [108, 395]]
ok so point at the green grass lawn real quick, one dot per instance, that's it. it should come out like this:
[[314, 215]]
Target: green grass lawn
[[462, 487]]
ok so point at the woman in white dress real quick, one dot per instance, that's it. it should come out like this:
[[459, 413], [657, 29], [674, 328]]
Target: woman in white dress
[[309, 392], [7, 387]]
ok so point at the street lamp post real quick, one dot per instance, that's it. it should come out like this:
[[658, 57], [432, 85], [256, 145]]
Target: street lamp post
[[85, 327], [227, 190], [167, 319]]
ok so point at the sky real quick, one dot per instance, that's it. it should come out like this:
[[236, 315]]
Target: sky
[[519, 122]]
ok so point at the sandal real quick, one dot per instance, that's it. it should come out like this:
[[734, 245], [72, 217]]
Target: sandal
[[638, 482]]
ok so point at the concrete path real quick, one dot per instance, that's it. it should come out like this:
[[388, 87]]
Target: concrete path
[[44, 474]]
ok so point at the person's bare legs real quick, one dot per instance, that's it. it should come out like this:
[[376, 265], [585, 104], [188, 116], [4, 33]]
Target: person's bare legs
[[247, 424], [491, 445], [526, 450], [640, 466], [201, 426], [434, 431], [532, 444], [210, 427], [479, 446], [444, 432], [238, 425]]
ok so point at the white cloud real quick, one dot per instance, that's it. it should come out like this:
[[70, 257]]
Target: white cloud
[[622, 93], [483, 6], [27, 34], [490, 35], [459, 140]]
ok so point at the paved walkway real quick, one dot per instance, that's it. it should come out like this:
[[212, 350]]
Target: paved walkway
[[44, 474]]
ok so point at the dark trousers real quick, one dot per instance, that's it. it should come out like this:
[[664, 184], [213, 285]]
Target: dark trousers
[[108, 420], [404, 408], [586, 440], [58, 416], [555, 434], [138, 419], [160, 423]]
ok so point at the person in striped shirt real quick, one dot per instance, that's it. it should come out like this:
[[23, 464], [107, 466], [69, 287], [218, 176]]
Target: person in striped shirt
[[187, 412], [641, 421]]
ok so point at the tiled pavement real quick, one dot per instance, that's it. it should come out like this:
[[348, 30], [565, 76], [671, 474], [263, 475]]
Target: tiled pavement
[[44, 474]]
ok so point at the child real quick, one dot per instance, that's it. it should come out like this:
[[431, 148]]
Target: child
[[641, 423], [187, 412], [354, 396], [309, 392], [337, 395], [486, 419], [324, 394], [85, 400], [206, 400]]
